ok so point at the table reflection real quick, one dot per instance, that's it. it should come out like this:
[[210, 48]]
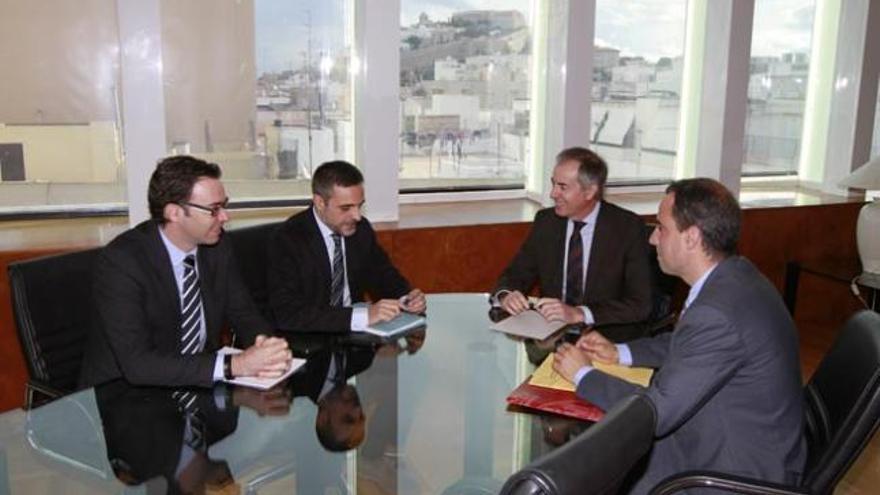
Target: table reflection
[[424, 414]]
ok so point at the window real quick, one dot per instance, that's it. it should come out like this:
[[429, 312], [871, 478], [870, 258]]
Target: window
[[261, 87], [875, 146], [779, 69], [637, 77], [465, 94], [59, 133]]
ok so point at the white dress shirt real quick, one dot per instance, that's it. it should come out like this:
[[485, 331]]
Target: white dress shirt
[[587, 232], [359, 314], [177, 256]]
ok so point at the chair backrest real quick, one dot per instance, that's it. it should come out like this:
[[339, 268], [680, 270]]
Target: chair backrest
[[251, 251], [843, 402], [595, 462], [52, 304]]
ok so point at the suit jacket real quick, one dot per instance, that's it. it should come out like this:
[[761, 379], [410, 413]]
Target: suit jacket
[[728, 392], [138, 312], [299, 275], [618, 281]]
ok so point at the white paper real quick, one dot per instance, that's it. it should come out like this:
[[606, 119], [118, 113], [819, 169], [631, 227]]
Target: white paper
[[528, 324], [260, 383]]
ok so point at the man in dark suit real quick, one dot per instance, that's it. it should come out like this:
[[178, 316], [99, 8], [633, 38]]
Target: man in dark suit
[[324, 260], [589, 257], [165, 289], [728, 389]]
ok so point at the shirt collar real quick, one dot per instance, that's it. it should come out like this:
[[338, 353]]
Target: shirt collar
[[698, 286], [175, 253], [325, 230], [591, 218]]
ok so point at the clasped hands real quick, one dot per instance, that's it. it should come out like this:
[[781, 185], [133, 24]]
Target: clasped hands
[[269, 357], [514, 302], [568, 358], [387, 309]]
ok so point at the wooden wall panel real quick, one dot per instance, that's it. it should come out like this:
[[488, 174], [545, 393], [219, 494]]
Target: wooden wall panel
[[470, 259], [457, 259]]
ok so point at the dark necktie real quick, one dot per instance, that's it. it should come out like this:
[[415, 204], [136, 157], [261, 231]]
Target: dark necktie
[[191, 314], [574, 273], [337, 282]]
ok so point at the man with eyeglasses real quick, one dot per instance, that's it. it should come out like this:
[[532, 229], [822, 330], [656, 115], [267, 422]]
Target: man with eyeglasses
[[166, 288]]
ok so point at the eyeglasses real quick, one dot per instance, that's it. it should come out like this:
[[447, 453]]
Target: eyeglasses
[[213, 210]]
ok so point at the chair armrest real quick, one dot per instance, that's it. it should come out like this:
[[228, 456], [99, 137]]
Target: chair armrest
[[48, 392], [722, 481]]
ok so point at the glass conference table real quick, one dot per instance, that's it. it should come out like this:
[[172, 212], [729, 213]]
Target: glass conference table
[[425, 414]]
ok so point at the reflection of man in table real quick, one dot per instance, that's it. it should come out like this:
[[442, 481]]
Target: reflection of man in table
[[326, 258], [589, 257], [728, 389], [339, 424], [165, 289], [149, 434]]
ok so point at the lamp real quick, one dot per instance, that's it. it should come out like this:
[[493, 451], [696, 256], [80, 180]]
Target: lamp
[[868, 227]]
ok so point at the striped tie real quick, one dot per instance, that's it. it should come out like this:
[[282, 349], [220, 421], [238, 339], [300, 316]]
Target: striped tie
[[190, 343], [338, 280], [191, 315]]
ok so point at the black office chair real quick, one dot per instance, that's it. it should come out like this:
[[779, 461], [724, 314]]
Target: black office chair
[[52, 305], [250, 246], [595, 462], [842, 406]]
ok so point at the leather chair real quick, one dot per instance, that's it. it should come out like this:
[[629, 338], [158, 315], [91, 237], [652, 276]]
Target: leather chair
[[842, 406], [595, 462], [251, 252], [53, 310]]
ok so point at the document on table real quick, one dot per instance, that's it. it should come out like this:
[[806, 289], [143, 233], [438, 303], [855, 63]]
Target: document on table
[[546, 376], [260, 383], [530, 324]]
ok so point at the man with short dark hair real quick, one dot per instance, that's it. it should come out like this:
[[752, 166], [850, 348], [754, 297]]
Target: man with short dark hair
[[324, 260], [588, 257], [727, 392], [166, 288]]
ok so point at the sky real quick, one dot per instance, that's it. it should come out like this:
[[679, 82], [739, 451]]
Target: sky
[[647, 28]]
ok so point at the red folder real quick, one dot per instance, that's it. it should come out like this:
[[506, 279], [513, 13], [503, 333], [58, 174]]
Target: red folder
[[561, 402]]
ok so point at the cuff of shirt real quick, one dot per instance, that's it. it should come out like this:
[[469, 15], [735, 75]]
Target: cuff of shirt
[[588, 316], [360, 317], [581, 373], [624, 356], [218, 368]]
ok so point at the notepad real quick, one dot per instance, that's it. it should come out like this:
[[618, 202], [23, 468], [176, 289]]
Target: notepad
[[260, 383], [397, 326], [546, 376]]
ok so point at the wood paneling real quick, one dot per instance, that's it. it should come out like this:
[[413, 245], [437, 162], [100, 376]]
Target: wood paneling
[[470, 258]]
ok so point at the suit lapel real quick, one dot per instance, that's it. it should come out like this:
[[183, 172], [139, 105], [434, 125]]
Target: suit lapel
[[598, 253], [319, 249], [161, 262], [557, 240], [208, 284]]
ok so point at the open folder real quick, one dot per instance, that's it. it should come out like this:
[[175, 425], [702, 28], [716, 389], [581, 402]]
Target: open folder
[[261, 383], [548, 391]]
